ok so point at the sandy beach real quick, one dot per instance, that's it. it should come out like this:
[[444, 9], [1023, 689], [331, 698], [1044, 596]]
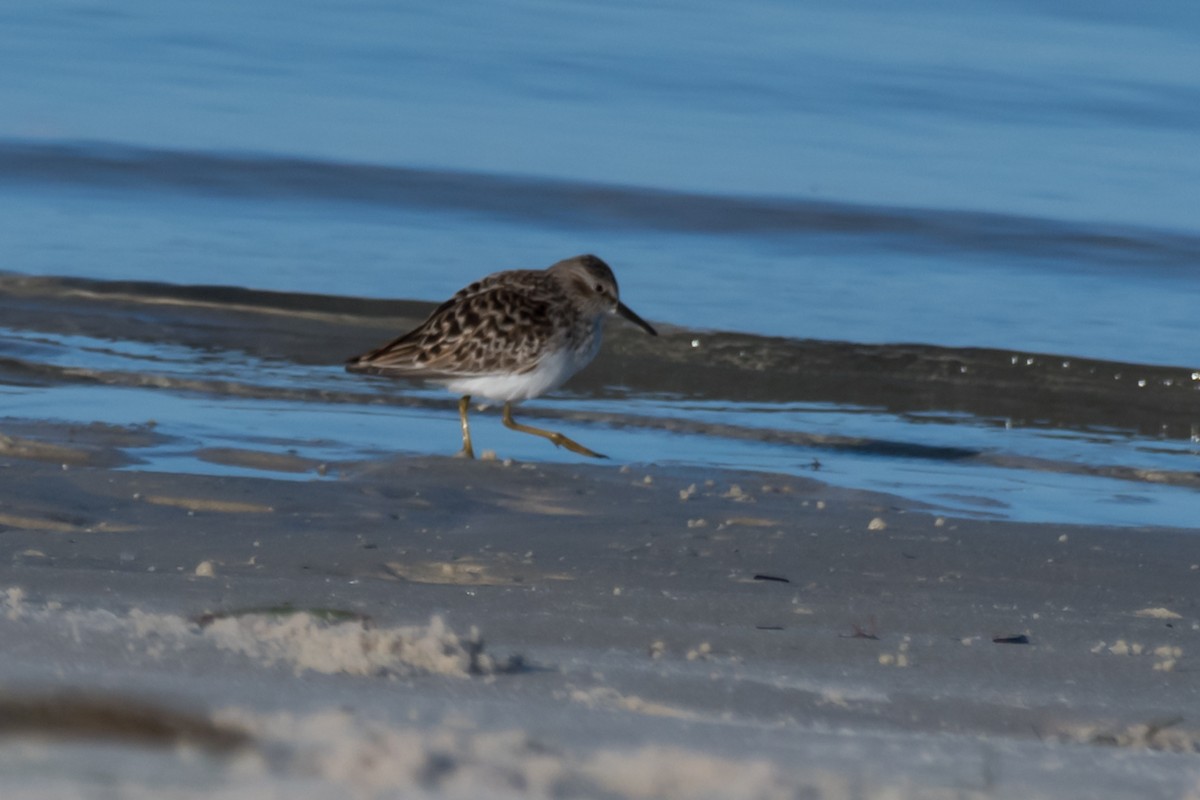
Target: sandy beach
[[441, 628], [902, 500]]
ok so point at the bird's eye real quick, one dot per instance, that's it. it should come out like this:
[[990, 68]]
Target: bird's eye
[[599, 288]]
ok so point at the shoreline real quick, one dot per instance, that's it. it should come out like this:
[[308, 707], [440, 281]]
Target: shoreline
[[776, 634]]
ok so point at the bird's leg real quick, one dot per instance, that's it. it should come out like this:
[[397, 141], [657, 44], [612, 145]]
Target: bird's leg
[[557, 438], [463, 404]]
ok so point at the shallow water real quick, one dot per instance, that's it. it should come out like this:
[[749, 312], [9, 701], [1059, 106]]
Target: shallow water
[[231, 379], [770, 182]]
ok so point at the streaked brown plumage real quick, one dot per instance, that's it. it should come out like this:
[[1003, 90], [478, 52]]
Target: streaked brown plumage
[[509, 337]]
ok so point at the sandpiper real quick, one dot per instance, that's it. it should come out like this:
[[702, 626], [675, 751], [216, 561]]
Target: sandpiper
[[509, 337]]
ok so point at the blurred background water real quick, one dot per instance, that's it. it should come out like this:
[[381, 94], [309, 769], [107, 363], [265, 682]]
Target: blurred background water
[[977, 174]]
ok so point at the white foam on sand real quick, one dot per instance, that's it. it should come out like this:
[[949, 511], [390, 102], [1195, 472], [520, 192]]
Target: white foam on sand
[[351, 648], [369, 759], [300, 640], [339, 753]]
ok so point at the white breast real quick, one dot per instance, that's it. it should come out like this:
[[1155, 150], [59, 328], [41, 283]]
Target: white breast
[[550, 373]]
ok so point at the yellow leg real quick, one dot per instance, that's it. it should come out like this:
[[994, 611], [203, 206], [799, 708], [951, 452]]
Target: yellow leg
[[463, 404], [557, 438]]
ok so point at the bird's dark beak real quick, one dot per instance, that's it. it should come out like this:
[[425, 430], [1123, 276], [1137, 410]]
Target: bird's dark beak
[[625, 312]]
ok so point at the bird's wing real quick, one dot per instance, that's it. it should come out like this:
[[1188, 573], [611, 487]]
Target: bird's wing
[[495, 325]]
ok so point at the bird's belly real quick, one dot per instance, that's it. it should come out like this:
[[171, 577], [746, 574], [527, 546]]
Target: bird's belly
[[550, 373]]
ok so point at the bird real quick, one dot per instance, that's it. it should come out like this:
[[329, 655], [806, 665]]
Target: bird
[[509, 337]]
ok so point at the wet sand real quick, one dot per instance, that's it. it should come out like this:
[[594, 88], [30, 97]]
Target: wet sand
[[442, 628], [224, 369]]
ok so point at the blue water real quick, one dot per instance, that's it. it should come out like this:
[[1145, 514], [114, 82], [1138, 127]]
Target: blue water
[[1080, 118], [1069, 114], [1080, 111], [1004, 175]]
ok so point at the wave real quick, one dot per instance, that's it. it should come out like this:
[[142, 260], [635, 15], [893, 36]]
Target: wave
[[590, 205]]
